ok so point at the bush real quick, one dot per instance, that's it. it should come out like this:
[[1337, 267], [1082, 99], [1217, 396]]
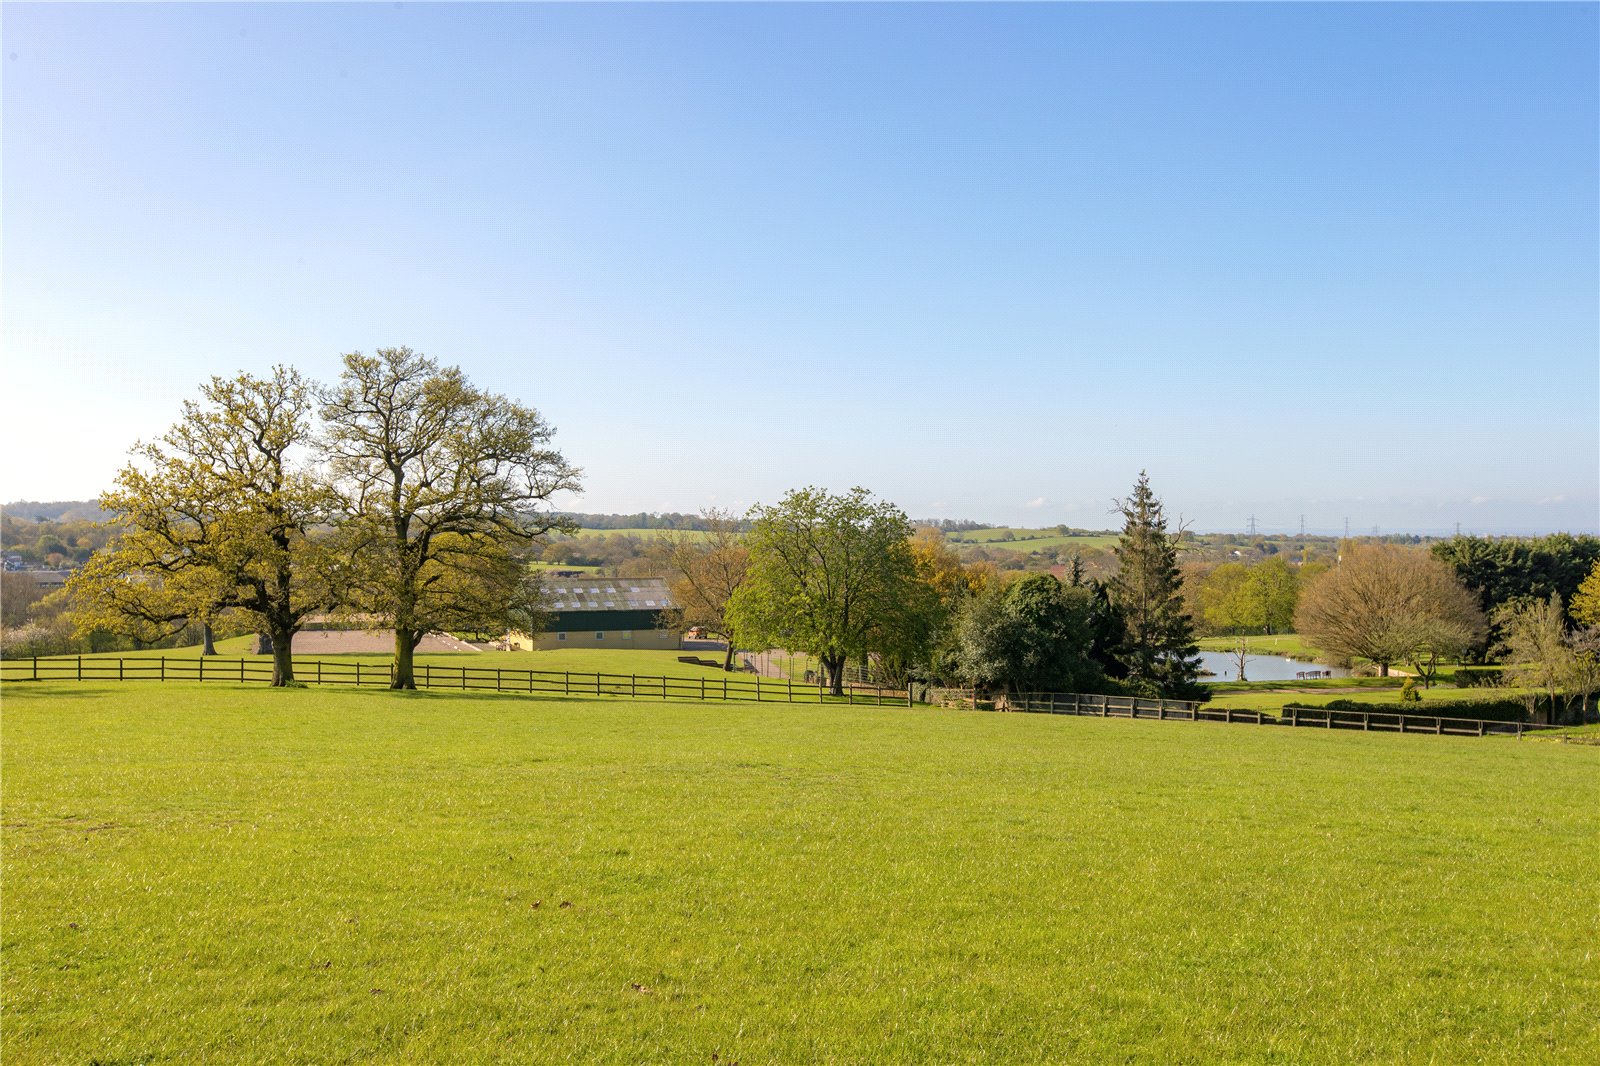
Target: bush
[[1409, 693], [1488, 710], [1476, 677]]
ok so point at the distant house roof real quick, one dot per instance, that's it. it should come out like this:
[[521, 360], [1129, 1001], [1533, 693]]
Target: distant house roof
[[607, 594]]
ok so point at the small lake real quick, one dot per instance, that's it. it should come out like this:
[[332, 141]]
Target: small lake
[[1260, 667]]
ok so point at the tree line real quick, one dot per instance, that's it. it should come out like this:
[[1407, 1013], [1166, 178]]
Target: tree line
[[847, 576]]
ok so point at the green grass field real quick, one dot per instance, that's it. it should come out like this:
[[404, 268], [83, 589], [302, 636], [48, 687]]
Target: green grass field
[[230, 874], [1027, 540]]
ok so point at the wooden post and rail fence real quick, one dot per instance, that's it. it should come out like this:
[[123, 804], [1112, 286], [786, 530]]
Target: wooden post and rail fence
[[723, 687]]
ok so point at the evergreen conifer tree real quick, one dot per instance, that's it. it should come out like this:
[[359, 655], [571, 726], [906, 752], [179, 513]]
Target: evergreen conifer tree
[[1158, 652]]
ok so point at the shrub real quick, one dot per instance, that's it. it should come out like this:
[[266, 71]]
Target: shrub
[[1409, 693], [1507, 709]]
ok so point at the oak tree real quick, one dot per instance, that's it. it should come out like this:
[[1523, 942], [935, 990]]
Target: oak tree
[[220, 514], [442, 482]]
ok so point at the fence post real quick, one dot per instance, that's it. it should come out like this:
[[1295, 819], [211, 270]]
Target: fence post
[[566, 682], [202, 669], [497, 679], [1366, 721], [908, 692], [119, 668], [791, 690], [80, 668], [633, 685], [36, 668], [702, 688], [241, 669], [163, 668], [358, 673], [319, 671], [724, 688]]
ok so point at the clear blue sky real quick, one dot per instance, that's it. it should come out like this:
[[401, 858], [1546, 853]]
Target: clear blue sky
[[988, 261]]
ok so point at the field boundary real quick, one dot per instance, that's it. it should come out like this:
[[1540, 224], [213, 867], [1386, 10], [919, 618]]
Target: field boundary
[[437, 677], [1292, 715], [725, 688]]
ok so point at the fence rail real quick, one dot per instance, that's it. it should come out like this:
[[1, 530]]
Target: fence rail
[[727, 688], [1292, 715], [723, 687]]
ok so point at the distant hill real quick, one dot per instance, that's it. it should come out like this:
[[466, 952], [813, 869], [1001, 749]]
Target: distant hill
[[56, 511]]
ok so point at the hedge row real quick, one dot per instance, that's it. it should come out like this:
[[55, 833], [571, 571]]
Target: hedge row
[[1506, 709]]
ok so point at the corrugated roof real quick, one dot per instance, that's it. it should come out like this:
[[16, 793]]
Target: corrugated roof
[[606, 594]]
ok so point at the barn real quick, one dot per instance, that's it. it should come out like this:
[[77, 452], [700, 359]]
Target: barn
[[605, 612]]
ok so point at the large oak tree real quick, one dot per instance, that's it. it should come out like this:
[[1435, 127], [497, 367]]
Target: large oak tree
[[219, 514], [442, 483]]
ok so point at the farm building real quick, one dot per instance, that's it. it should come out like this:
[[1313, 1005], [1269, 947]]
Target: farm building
[[604, 612]]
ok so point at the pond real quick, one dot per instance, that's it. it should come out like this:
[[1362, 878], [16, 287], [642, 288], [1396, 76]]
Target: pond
[[1261, 667]]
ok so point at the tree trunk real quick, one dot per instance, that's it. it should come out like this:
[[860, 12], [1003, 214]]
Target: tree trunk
[[405, 644], [282, 641], [207, 641], [727, 659], [1383, 669], [834, 665]]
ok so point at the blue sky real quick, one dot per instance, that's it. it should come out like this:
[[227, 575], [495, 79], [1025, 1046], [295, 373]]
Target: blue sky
[[988, 261]]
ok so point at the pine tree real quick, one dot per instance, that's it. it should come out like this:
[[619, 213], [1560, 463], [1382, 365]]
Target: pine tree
[[1158, 653]]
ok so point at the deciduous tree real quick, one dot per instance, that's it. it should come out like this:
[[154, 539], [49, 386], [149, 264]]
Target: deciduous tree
[[218, 514], [832, 576], [1033, 635], [1389, 604], [709, 566], [441, 481]]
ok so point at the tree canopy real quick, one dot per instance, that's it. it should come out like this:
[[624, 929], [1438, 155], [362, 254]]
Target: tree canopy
[[441, 481], [1033, 635], [218, 514], [1390, 604], [832, 576]]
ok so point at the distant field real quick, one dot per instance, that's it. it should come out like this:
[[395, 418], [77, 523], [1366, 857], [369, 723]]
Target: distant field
[[241, 875], [1026, 540], [642, 534]]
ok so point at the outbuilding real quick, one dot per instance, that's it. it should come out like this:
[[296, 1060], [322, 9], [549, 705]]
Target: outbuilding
[[605, 612]]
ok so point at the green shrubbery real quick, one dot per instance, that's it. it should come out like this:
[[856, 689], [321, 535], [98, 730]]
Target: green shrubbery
[[1476, 677], [1506, 709]]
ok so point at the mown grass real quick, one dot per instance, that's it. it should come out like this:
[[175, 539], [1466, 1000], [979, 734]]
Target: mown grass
[[234, 874]]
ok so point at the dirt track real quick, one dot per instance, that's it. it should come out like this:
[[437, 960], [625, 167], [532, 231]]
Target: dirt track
[[346, 641]]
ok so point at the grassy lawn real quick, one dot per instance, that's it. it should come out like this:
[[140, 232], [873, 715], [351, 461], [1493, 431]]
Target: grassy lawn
[[232, 874]]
